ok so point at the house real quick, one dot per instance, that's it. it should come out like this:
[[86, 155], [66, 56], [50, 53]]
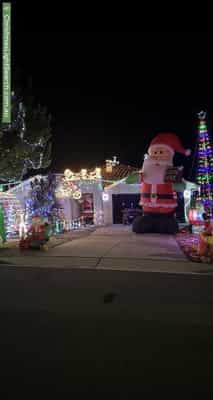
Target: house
[[125, 194], [76, 198], [118, 194], [100, 196], [113, 173]]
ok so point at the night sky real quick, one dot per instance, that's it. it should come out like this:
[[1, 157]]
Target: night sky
[[110, 92]]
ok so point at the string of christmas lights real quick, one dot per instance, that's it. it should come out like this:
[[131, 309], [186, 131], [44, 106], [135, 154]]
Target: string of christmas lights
[[205, 167], [12, 214]]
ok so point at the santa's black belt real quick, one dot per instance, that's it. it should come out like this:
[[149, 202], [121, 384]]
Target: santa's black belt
[[156, 196]]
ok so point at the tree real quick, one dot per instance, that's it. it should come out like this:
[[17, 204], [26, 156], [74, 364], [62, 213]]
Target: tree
[[41, 200], [204, 176], [25, 144]]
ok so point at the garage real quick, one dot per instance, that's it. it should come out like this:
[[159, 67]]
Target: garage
[[121, 202]]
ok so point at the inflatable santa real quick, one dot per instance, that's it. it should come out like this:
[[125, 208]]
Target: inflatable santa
[[158, 198]]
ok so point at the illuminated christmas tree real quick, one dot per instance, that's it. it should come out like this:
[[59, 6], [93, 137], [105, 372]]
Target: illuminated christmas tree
[[41, 200], [205, 167]]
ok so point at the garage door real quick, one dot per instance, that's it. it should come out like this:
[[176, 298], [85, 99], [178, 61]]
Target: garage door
[[121, 201]]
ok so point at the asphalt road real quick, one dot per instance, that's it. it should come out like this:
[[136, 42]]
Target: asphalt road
[[105, 332]]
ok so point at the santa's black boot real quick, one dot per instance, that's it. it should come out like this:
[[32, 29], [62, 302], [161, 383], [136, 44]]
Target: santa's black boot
[[166, 224], [143, 224]]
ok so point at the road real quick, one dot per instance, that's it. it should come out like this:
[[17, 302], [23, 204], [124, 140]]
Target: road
[[85, 331]]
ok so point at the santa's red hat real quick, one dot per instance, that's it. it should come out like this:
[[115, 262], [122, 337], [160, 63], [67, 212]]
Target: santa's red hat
[[170, 141]]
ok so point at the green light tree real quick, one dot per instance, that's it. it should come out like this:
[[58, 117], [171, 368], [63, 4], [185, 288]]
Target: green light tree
[[204, 176]]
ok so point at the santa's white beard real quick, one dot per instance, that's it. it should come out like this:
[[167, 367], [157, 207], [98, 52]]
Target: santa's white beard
[[153, 173]]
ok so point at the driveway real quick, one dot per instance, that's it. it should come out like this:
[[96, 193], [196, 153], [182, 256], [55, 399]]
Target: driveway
[[114, 247]]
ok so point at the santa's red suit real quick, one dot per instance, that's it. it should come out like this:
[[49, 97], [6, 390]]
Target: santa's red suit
[[158, 198]]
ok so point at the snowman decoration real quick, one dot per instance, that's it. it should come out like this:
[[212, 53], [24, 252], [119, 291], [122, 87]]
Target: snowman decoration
[[158, 198]]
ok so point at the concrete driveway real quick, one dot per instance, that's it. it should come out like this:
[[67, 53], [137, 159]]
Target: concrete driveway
[[114, 247], [120, 242]]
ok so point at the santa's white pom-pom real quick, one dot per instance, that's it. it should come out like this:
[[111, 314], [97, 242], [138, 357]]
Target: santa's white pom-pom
[[188, 152]]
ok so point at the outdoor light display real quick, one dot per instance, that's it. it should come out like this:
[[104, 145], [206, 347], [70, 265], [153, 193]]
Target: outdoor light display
[[187, 201], [67, 189], [77, 195], [22, 227], [41, 199], [12, 213], [193, 215], [105, 196], [205, 166], [70, 184], [2, 226], [111, 163], [82, 175]]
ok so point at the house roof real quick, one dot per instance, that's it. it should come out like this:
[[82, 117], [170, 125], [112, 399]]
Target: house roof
[[118, 172]]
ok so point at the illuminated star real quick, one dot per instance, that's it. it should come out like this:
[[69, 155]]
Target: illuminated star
[[202, 115]]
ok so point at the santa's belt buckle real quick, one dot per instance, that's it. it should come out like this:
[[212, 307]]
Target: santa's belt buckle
[[154, 195]]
